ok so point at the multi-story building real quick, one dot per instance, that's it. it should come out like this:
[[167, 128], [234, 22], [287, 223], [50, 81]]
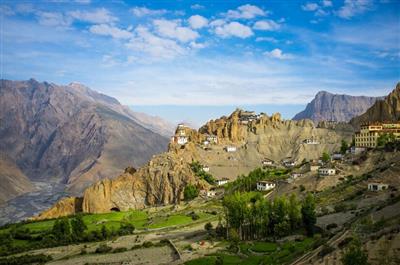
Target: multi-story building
[[369, 133]]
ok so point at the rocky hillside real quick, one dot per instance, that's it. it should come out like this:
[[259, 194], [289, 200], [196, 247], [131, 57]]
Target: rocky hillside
[[163, 179], [13, 181], [70, 134], [333, 107], [387, 109]]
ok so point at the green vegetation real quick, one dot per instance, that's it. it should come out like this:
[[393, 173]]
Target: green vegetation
[[250, 216], [344, 146], [255, 253], [249, 183], [385, 138], [354, 255], [26, 259], [197, 169], [190, 192], [326, 157]]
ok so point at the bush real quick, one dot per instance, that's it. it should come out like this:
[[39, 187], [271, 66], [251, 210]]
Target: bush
[[195, 216], [325, 250], [103, 248], [302, 188], [340, 207], [26, 259], [208, 227], [190, 192]]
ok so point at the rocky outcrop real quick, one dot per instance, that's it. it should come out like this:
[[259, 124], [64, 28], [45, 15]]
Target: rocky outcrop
[[333, 107], [387, 109], [164, 178], [64, 207], [71, 134]]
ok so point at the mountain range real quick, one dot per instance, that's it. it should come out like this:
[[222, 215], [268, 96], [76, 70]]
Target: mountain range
[[71, 135], [334, 107]]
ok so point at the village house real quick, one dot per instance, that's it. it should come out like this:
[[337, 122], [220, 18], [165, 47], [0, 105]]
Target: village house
[[265, 185], [267, 162], [182, 140], [211, 193], [370, 132], [230, 148], [288, 162], [311, 140], [206, 143], [327, 171], [337, 156], [206, 168], [356, 150], [314, 166], [377, 186], [212, 139], [222, 181]]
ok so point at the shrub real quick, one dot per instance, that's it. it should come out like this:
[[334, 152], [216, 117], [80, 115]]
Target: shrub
[[208, 227], [103, 248], [190, 192], [147, 244], [325, 250], [331, 226], [195, 216], [302, 188]]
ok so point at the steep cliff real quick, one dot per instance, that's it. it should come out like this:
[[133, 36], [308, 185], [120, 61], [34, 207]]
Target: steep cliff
[[334, 107], [70, 134], [387, 109]]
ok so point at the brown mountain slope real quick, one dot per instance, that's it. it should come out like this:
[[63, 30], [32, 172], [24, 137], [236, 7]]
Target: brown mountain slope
[[70, 134], [333, 107], [383, 110], [13, 181], [163, 179]]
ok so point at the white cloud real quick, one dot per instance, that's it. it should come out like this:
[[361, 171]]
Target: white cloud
[[310, 7], [278, 54], [268, 24], [53, 19], [234, 29], [352, 8], [246, 12], [197, 22], [154, 46], [197, 45], [217, 22], [6, 10], [98, 16], [107, 30], [144, 11], [85, 2], [196, 6], [327, 3], [266, 39], [172, 29]]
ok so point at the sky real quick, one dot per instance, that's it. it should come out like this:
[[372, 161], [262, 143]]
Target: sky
[[196, 60]]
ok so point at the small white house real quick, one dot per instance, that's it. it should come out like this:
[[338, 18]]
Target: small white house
[[230, 149], [182, 140], [267, 162], [310, 141], [295, 175], [211, 193], [222, 181], [327, 171], [377, 186], [356, 150], [265, 185], [206, 168], [314, 167], [206, 143], [337, 156], [289, 163], [212, 139]]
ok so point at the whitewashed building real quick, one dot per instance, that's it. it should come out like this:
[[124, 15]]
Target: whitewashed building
[[230, 149], [212, 139], [206, 168], [377, 186], [337, 156], [211, 193], [182, 140], [267, 162], [222, 181], [327, 171], [265, 185], [311, 141]]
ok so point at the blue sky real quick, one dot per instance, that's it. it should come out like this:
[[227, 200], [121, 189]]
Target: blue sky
[[200, 58]]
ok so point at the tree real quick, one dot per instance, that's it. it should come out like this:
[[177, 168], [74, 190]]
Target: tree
[[62, 230], [208, 227], [308, 214], [344, 147], [190, 192], [294, 212], [326, 157], [384, 139], [354, 255], [104, 232], [78, 227]]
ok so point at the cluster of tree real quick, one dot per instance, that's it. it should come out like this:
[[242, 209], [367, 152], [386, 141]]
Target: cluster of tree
[[250, 216], [26, 259], [344, 147], [190, 192], [326, 157], [389, 142], [249, 183], [198, 170], [64, 231]]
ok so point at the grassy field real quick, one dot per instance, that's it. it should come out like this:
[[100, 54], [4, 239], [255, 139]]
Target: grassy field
[[267, 253]]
